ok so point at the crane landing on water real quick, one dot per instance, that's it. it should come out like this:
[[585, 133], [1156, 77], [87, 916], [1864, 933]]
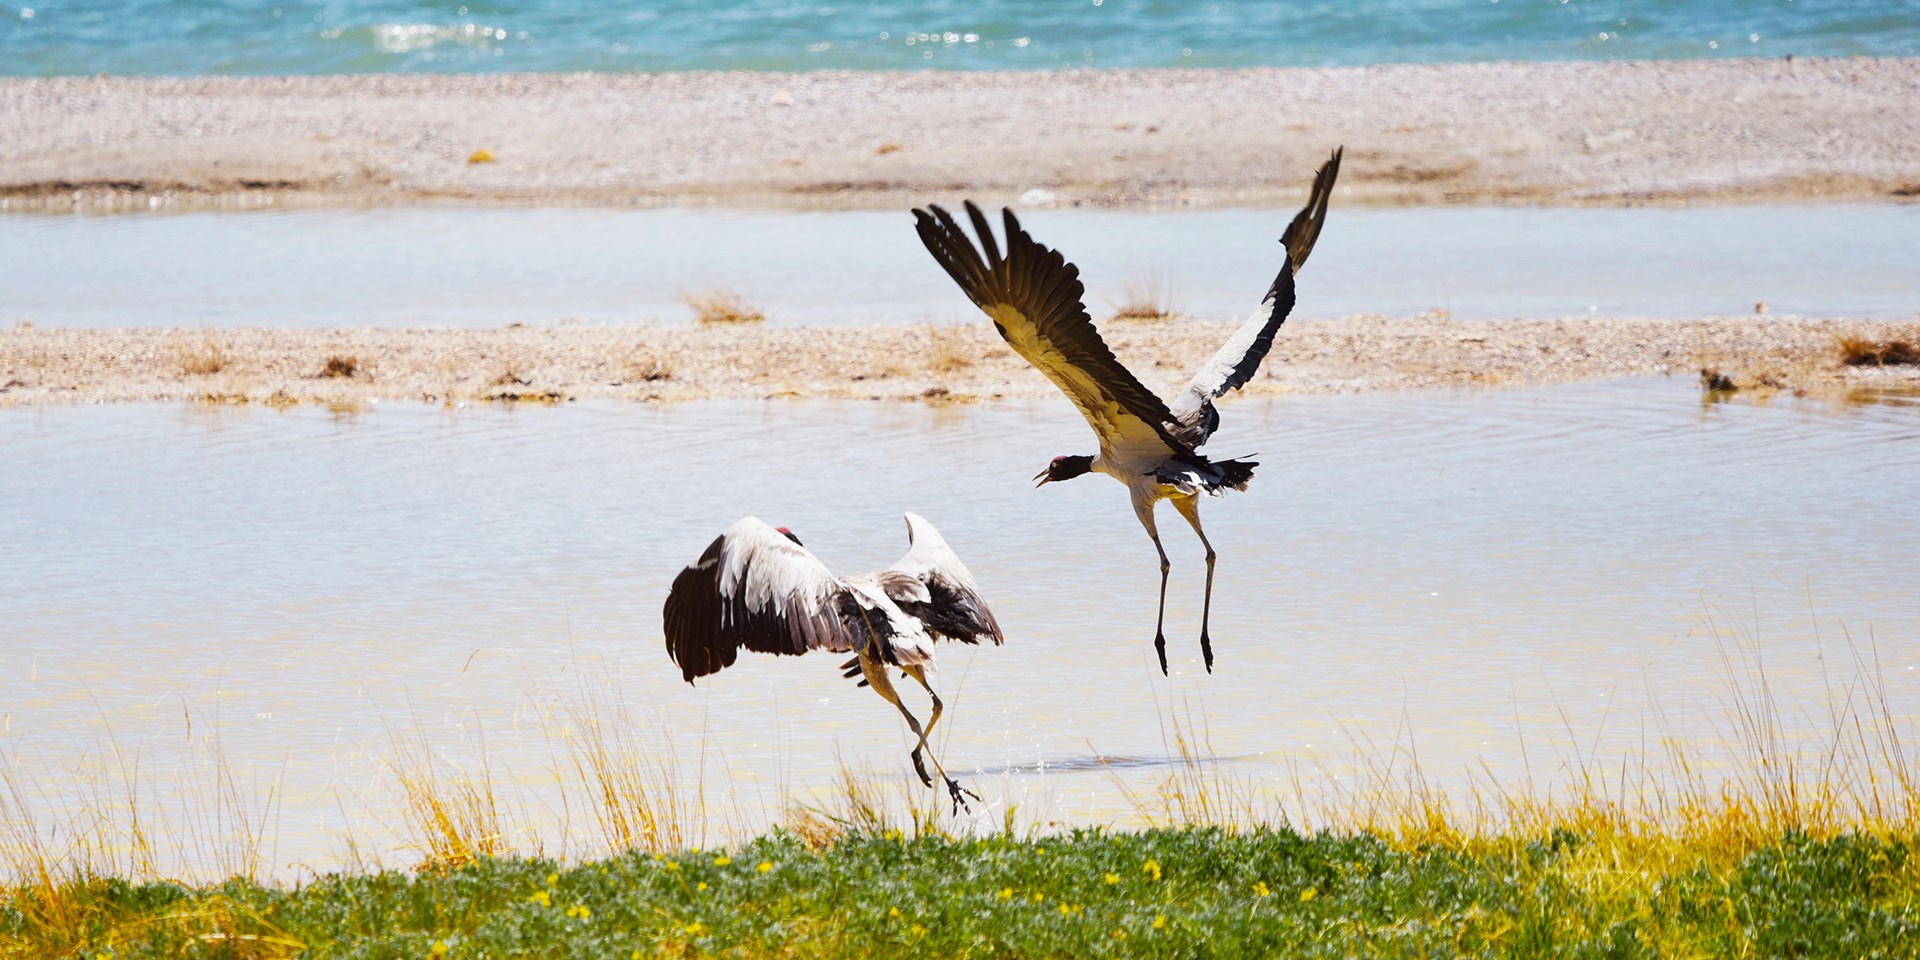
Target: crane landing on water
[[1034, 297], [757, 587]]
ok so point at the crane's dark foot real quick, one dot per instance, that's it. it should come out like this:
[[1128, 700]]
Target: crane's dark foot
[[921, 769], [960, 795], [1160, 647], [1206, 650]]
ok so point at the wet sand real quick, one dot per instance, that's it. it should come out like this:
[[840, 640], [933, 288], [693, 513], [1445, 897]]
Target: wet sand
[[963, 363], [1563, 133]]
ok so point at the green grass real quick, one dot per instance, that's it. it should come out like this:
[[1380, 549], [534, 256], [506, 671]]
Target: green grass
[[1800, 842], [1174, 893]]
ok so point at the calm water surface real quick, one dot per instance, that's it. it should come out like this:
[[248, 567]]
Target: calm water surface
[[1486, 575], [491, 267]]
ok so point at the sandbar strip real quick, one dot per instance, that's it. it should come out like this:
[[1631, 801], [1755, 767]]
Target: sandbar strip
[[962, 363], [1589, 133]]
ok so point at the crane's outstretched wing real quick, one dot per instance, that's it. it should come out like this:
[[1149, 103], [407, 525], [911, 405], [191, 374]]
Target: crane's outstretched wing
[[1033, 296], [949, 605], [1240, 357], [755, 588]]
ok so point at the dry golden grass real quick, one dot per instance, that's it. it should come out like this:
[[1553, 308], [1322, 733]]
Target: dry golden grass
[[719, 306], [949, 349], [340, 366], [453, 818], [1897, 350], [1145, 301], [203, 360]]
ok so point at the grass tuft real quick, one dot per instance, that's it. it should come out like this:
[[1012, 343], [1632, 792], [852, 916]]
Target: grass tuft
[[1860, 351], [718, 306], [340, 366], [203, 360], [1145, 302]]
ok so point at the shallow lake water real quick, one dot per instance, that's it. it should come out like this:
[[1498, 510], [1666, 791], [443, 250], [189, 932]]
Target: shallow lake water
[[479, 268], [1505, 581]]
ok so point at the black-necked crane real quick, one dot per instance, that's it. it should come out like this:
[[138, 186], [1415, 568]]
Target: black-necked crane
[[1034, 297], [757, 587]]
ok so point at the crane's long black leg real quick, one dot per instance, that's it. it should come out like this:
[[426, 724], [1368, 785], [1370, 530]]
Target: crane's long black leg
[[954, 789], [876, 674], [1160, 622], [1189, 507], [1143, 509]]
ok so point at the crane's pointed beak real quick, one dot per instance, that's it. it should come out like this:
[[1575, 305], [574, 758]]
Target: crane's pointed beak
[[1041, 479]]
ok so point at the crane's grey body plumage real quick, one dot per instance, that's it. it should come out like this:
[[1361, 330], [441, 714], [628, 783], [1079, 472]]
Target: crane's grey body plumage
[[757, 588], [1035, 299]]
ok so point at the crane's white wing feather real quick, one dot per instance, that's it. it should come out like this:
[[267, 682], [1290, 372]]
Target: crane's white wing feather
[[949, 605], [1239, 358], [755, 588]]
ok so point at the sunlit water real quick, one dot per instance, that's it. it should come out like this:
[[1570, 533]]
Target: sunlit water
[[1492, 577], [491, 267], [53, 37]]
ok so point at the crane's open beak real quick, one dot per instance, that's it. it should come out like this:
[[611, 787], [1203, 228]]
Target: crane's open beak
[[1041, 479]]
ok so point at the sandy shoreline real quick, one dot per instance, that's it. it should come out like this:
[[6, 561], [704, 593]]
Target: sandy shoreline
[[912, 363], [1564, 133]]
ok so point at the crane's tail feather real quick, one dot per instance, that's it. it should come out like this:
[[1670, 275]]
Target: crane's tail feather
[[1305, 228]]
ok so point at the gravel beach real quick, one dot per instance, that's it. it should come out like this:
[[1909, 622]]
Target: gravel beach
[[1606, 133], [961, 363]]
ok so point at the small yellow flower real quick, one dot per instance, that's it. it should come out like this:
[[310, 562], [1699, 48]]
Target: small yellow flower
[[702, 885], [1066, 911], [893, 913], [917, 930], [553, 879], [1112, 878], [764, 866], [439, 948], [1152, 869], [1006, 893], [1039, 897], [1308, 894], [480, 156], [635, 955], [670, 865], [1118, 934], [722, 861], [1260, 888], [542, 898], [891, 835], [1160, 922], [695, 928], [579, 911]]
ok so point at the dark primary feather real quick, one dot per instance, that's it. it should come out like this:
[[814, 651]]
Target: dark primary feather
[[1045, 291], [1240, 357]]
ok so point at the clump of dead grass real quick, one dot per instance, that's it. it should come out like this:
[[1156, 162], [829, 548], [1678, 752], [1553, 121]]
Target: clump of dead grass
[[1863, 351], [949, 350], [718, 306], [206, 359], [649, 366], [340, 366], [1145, 301]]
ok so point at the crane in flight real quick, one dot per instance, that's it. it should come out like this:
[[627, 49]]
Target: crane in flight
[[756, 586], [1034, 298]]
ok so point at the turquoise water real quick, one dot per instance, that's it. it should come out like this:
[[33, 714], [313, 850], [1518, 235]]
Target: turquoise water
[[196, 37]]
